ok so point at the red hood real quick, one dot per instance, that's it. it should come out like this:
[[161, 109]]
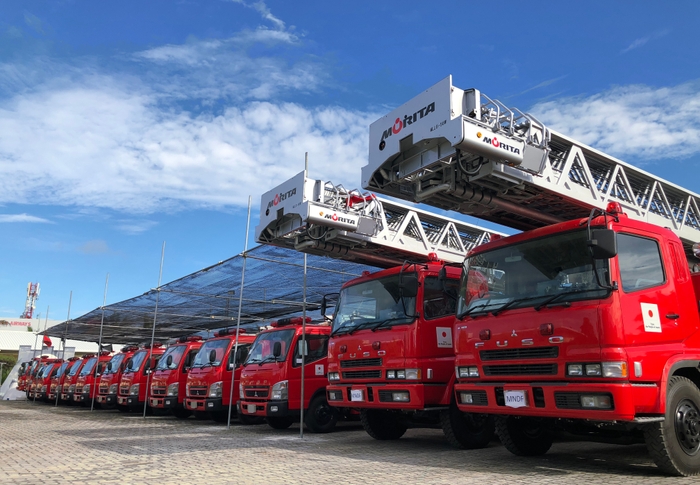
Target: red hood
[[263, 375]]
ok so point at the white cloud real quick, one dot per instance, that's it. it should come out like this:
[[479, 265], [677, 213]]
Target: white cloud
[[95, 246], [631, 121], [643, 40], [114, 147], [22, 218]]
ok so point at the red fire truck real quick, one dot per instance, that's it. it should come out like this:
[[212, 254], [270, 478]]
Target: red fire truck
[[109, 381], [72, 378], [133, 385], [590, 325], [86, 384], [270, 385], [170, 376], [31, 369], [208, 387], [59, 378], [22, 374], [42, 381]]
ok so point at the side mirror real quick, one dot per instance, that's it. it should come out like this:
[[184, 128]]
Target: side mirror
[[212, 356], [277, 349], [129, 364], [241, 355], [169, 360], [603, 244], [408, 284], [109, 366], [329, 298]]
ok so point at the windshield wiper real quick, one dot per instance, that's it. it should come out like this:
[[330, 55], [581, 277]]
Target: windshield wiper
[[553, 298], [269, 358], [469, 311], [512, 302], [395, 319]]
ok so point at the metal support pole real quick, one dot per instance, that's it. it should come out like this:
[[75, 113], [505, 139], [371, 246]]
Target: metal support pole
[[65, 333], [153, 333], [46, 322], [303, 325], [99, 342], [238, 318]]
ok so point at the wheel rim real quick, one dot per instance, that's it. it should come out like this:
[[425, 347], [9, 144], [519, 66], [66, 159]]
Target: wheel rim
[[323, 414], [687, 424]]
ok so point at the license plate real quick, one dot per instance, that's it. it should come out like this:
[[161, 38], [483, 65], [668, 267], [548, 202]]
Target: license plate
[[167, 403], [193, 404], [251, 408], [515, 399], [356, 395]]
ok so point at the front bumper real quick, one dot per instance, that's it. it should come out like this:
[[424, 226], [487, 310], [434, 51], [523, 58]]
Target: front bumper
[[163, 402], [107, 400], [82, 397], [265, 408], [131, 402], [204, 404], [67, 396], [381, 395], [560, 400]]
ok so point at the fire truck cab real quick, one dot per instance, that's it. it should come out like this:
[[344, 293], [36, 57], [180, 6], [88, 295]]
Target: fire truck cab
[[109, 381], [86, 384], [60, 377], [68, 389], [170, 377], [133, 385]]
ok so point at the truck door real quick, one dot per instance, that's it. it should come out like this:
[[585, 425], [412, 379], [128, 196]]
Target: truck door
[[315, 368], [649, 303]]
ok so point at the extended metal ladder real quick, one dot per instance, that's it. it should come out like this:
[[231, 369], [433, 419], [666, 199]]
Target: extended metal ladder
[[325, 219], [460, 150]]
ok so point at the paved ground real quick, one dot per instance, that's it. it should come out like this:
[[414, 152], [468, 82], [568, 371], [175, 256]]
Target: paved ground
[[43, 444]]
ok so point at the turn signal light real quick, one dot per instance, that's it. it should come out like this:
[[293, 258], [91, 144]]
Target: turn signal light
[[485, 334], [343, 349], [376, 345], [546, 329]]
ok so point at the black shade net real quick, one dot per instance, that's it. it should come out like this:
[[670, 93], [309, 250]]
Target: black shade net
[[208, 299]]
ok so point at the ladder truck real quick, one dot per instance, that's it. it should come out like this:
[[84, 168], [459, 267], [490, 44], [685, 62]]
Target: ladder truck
[[390, 348], [588, 321]]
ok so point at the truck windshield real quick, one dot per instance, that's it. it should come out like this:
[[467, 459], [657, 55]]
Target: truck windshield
[[116, 361], [74, 370], [46, 371], [219, 346], [176, 352], [262, 349], [372, 303], [60, 370], [87, 368], [553, 270], [136, 360]]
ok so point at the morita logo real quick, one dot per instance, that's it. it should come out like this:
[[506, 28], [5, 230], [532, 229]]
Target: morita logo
[[407, 120], [498, 144], [336, 218], [279, 198]]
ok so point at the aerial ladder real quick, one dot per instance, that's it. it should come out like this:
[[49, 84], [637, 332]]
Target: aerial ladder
[[323, 218], [462, 151]]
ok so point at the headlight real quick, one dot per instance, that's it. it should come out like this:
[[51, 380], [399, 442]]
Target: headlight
[[598, 369], [414, 374], [279, 391], [43, 388], [333, 376], [401, 374], [241, 394], [134, 390], [113, 388], [86, 388], [215, 389], [614, 369], [465, 372], [71, 388], [173, 389]]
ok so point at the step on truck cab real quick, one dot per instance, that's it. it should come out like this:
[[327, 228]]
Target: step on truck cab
[[169, 380], [68, 389], [590, 326], [133, 386], [391, 353], [59, 378], [86, 384], [109, 382], [208, 388], [270, 385]]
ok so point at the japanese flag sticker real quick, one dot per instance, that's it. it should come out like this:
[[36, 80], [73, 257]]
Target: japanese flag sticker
[[650, 317], [444, 337]]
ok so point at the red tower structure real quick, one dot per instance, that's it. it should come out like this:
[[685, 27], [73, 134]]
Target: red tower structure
[[32, 295]]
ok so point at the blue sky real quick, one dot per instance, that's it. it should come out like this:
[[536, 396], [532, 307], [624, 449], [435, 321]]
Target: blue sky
[[126, 124]]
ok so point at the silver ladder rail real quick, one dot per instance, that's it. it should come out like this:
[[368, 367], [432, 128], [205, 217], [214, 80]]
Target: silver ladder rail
[[321, 218], [467, 153]]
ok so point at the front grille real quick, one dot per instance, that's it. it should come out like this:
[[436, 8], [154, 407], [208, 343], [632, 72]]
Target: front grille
[[362, 374], [198, 391], [520, 354], [348, 364], [567, 400], [158, 390], [479, 398], [124, 389], [521, 370], [257, 392], [78, 389]]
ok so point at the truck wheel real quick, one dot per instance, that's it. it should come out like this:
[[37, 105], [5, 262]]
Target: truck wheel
[[123, 409], [674, 444], [201, 415], [280, 423], [250, 420], [181, 413], [321, 416], [220, 416], [524, 436], [382, 425], [468, 431]]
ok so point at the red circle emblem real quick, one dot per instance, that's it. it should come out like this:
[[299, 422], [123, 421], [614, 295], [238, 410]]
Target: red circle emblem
[[651, 313], [495, 142], [444, 334], [335, 217], [397, 126], [277, 199]]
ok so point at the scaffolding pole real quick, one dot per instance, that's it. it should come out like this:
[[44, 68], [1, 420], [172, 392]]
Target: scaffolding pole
[[149, 363], [303, 326], [99, 344], [65, 332]]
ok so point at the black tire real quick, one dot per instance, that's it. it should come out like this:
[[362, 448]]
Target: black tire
[[201, 415], [382, 425], [123, 409], [221, 416], [321, 417], [674, 444], [524, 436], [280, 423], [181, 413], [468, 431], [248, 420]]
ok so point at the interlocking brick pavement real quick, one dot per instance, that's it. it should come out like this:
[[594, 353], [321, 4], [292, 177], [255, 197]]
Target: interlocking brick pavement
[[43, 444]]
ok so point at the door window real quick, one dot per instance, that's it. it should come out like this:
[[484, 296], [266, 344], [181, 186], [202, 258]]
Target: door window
[[640, 263], [318, 349]]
